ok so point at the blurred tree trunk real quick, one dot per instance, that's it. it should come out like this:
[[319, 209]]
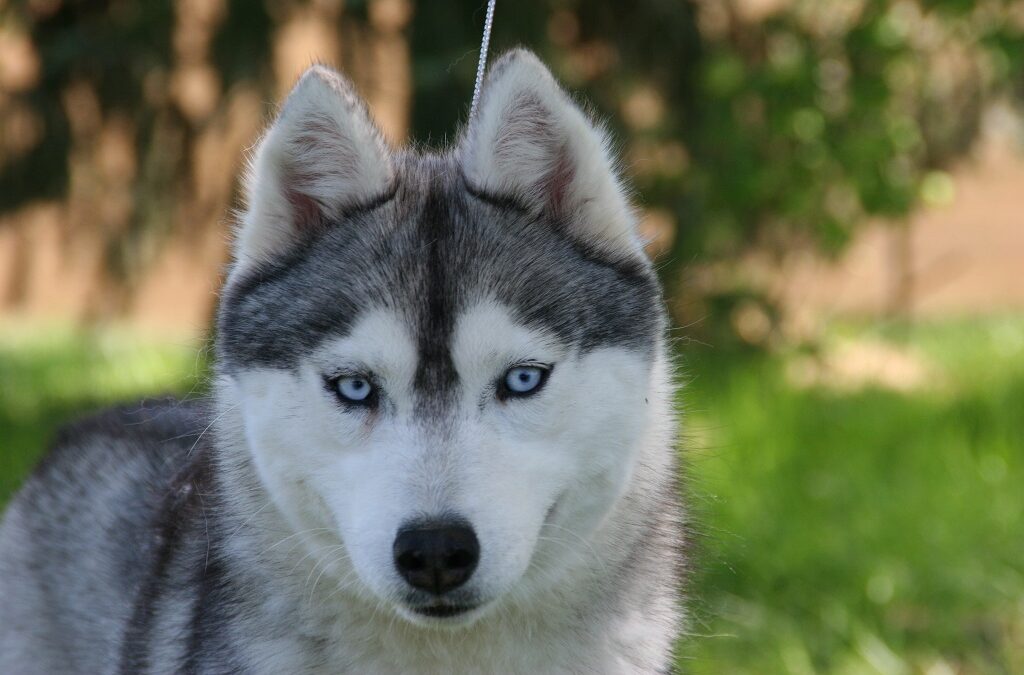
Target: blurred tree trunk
[[901, 268], [158, 107]]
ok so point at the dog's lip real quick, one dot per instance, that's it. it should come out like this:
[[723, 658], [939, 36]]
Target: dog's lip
[[550, 515], [442, 611]]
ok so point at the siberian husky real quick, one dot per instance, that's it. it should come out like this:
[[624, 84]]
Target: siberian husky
[[441, 436]]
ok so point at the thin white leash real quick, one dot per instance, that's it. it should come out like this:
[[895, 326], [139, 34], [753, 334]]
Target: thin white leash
[[481, 65]]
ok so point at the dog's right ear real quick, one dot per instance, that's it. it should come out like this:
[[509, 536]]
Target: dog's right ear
[[321, 156]]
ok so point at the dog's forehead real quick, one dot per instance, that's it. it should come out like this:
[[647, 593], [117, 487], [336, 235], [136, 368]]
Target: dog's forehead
[[429, 253]]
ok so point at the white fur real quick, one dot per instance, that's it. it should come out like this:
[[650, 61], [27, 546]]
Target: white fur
[[345, 482], [322, 154], [531, 141]]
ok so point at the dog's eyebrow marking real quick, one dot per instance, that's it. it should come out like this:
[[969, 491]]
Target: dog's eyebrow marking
[[269, 271], [377, 202], [507, 202], [624, 266]]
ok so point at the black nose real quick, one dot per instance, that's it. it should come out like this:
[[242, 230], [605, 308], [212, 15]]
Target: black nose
[[436, 556]]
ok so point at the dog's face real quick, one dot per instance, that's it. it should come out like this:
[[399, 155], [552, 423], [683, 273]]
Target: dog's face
[[442, 363]]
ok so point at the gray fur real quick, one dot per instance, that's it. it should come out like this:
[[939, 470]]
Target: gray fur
[[433, 246], [143, 544]]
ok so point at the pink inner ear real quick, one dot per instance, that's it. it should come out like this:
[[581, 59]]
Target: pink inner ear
[[557, 183], [531, 132], [323, 150], [307, 212]]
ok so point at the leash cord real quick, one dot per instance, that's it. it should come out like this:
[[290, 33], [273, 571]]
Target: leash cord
[[481, 65]]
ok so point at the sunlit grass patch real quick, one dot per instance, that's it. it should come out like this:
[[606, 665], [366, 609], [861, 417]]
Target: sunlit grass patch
[[867, 529]]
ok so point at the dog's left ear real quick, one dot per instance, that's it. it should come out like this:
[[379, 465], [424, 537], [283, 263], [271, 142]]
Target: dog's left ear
[[529, 141]]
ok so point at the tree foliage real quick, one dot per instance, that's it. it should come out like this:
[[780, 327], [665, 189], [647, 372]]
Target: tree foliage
[[741, 122]]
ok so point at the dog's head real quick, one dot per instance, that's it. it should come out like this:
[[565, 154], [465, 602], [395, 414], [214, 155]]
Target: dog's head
[[442, 363]]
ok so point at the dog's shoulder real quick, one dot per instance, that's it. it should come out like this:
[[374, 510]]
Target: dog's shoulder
[[158, 431], [163, 420], [81, 536], [119, 462]]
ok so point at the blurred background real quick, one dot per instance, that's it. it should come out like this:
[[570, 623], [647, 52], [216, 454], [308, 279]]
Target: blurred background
[[833, 191]]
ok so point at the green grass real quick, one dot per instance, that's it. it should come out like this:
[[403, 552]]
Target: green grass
[[842, 529], [53, 375], [863, 530]]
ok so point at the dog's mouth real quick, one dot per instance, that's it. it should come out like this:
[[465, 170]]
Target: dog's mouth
[[440, 611]]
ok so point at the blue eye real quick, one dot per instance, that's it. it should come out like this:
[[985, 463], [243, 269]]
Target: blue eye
[[523, 381], [355, 389]]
